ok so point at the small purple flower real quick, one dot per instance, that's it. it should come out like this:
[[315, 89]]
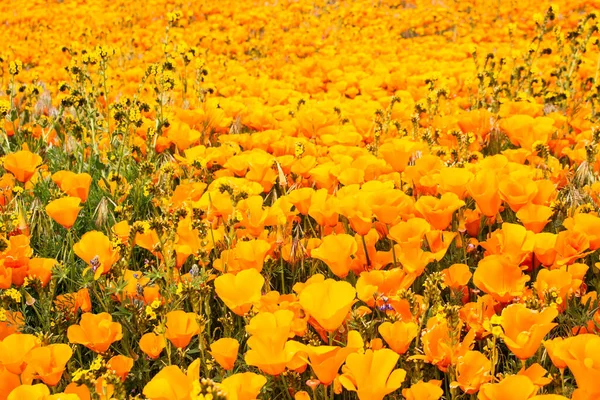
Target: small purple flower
[[95, 263]]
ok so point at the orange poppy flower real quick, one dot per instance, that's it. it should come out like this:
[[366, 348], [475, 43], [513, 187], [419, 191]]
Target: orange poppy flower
[[64, 210], [513, 241], [457, 275], [558, 284], [48, 363], [389, 205], [323, 208], [409, 233], [19, 275], [383, 283], [313, 121], [422, 172], [97, 251], [326, 361], [8, 382], [14, 350], [95, 331], [76, 185], [424, 391], [372, 374], [122, 230], [544, 248], [152, 344], [183, 136], [148, 239], [273, 301], [570, 246], [337, 251], [358, 212], [517, 192], [524, 130], [484, 190], [301, 166], [556, 350], [514, 387], [587, 224], [151, 293], [187, 241], [162, 143], [193, 370], [438, 212], [64, 396], [254, 216], [169, 384], [13, 322], [398, 152], [534, 217], [18, 252], [439, 345], [472, 371], [245, 255], [537, 374], [376, 259], [328, 302], [30, 392], [104, 389], [6, 276], [413, 259], [524, 329], [239, 292], [225, 352], [81, 391], [268, 345], [7, 183], [181, 327], [237, 164], [497, 276], [41, 269], [244, 386], [133, 281], [398, 335], [185, 193], [120, 366], [302, 199], [23, 164], [546, 192], [74, 302], [474, 314], [581, 353], [322, 175], [471, 222], [479, 121], [439, 242], [260, 170], [455, 180]]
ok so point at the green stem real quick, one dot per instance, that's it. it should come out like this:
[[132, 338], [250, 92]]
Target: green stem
[[393, 252], [168, 347], [282, 276], [286, 388], [366, 252]]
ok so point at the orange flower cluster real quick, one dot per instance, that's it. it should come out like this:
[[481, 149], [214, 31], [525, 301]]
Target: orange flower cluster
[[303, 200]]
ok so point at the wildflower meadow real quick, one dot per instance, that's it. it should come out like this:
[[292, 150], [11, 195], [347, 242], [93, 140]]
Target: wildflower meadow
[[299, 199]]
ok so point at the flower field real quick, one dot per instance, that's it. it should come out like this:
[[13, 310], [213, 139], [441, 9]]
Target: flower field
[[289, 199]]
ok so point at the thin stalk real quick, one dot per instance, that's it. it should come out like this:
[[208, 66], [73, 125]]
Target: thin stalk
[[364, 242]]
